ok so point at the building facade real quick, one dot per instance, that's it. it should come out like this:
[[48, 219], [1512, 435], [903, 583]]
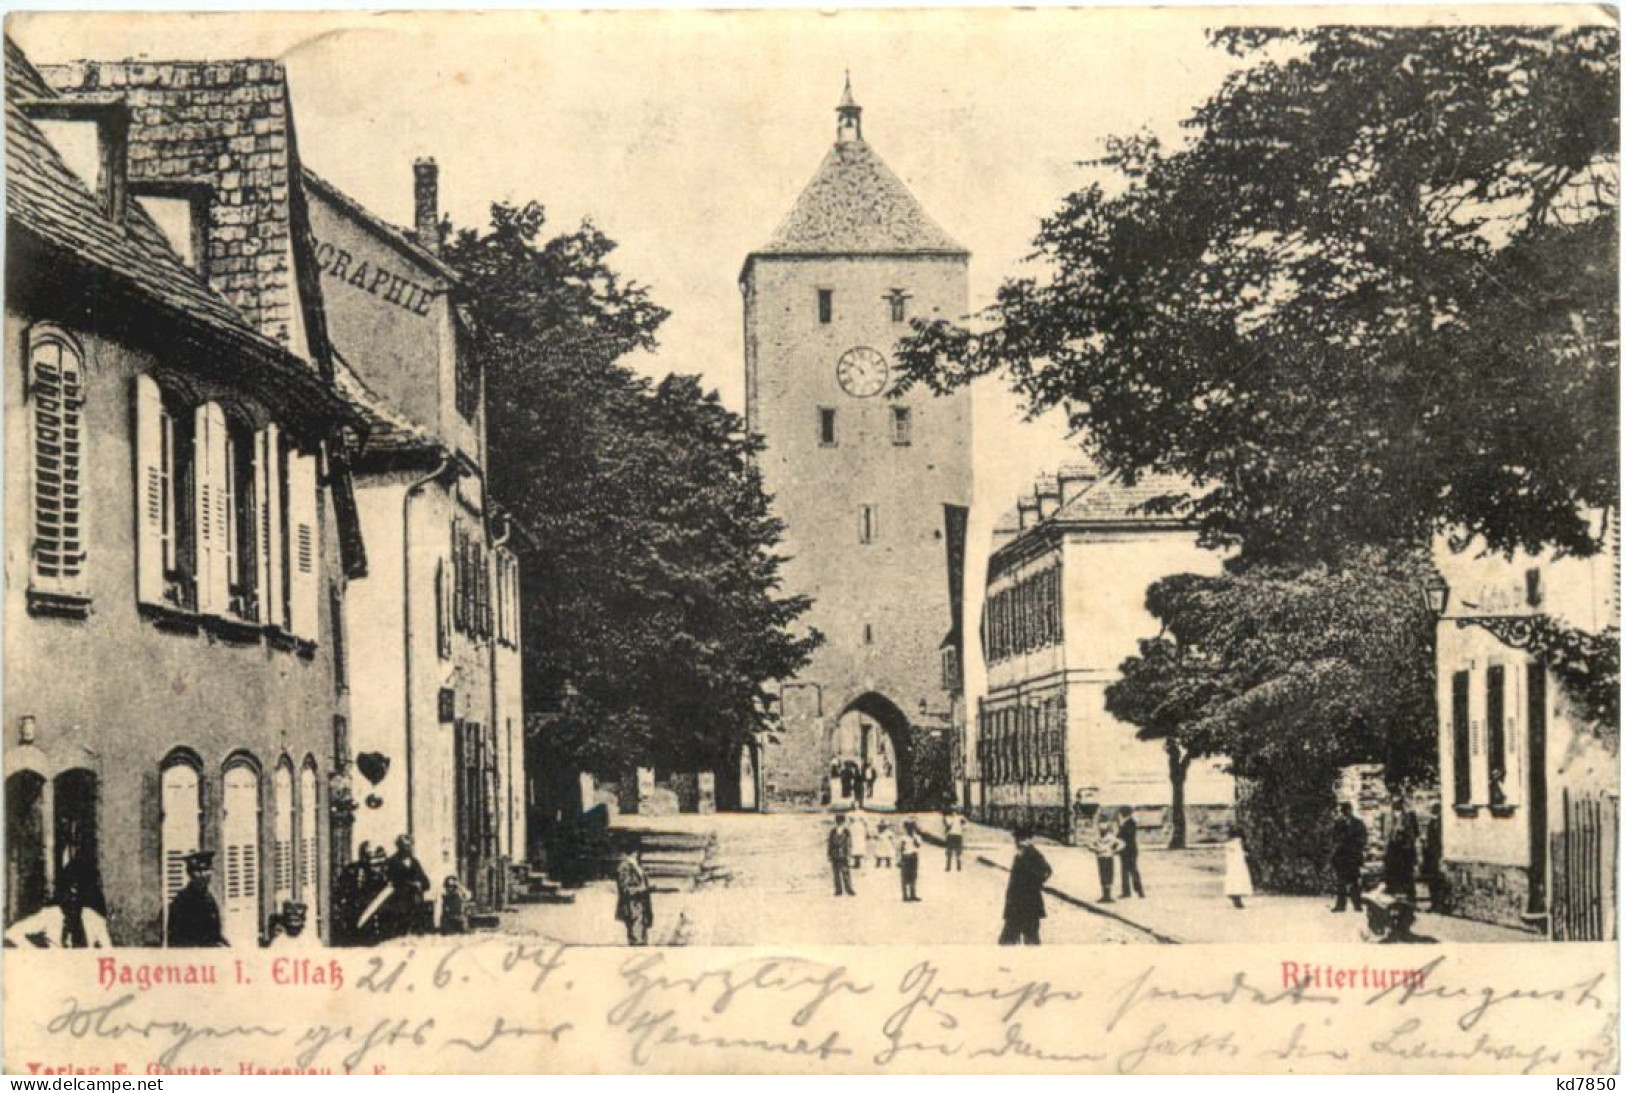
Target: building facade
[[177, 499], [437, 682], [863, 481], [1524, 777], [1065, 605]]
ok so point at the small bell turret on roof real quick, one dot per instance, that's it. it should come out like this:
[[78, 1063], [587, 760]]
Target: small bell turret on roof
[[849, 127]]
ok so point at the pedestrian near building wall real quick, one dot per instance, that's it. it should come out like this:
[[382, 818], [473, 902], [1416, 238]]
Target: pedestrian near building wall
[[1399, 853], [859, 829]]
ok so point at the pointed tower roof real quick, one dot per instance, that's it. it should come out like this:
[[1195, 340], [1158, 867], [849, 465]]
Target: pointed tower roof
[[856, 205]]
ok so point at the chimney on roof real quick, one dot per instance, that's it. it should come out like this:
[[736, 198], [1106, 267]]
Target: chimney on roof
[[1027, 511], [1074, 478], [1048, 492], [426, 203]]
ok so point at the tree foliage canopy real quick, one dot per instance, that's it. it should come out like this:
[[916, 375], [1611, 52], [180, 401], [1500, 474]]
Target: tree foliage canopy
[[652, 613], [1291, 666], [1371, 298]]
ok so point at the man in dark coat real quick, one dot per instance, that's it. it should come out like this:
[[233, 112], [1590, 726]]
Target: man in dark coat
[[409, 888], [1128, 833], [1024, 895], [840, 856], [194, 916], [347, 902], [1348, 856], [1399, 856]]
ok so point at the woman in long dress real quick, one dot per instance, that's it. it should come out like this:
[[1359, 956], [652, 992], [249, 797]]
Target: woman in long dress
[[860, 839], [1238, 878]]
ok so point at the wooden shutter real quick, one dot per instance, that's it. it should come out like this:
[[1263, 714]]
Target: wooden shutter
[[213, 496], [56, 388], [304, 547], [239, 834], [309, 863], [180, 827], [152, 491], [283, 822], [268, 499]]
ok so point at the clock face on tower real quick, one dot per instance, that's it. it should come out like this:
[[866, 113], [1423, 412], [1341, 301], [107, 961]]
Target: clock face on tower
[[862, 372]]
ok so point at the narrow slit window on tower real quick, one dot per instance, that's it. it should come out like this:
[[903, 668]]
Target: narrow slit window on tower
[[898, 299], [868, 524], [868, 633], [826, 305], [826, 426], [902, 425]]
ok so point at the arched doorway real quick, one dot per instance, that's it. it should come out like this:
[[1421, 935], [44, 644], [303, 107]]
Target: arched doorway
[[867, 755], [25, 844]]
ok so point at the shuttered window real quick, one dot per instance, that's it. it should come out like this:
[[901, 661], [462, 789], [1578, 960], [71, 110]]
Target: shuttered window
[[284, 822], [304, 561], [442, 609], [309, 862], [1495, 725], [270, 490], [56, 389], [1460, 747], [240, 839], [180, 826]]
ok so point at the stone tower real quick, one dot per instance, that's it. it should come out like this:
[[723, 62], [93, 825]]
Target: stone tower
[[866, 483]]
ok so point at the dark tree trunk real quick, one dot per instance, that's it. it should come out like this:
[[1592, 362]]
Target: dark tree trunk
[[1178, 764]]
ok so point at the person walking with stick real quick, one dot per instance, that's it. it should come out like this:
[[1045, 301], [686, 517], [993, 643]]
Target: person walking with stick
[[634, 900]]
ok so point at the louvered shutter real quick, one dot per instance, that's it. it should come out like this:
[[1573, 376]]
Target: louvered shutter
[[152, 489], [214, 502], [180, 828], [303, 549], [283, 821], [239, 835], [309, 863], [268, 504], [205, 482]]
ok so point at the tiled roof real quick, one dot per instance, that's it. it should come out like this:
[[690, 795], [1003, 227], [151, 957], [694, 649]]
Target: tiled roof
[[388, 433], [1111, 501], [400, 239], [856, 205], [47, 199], [228, 125]]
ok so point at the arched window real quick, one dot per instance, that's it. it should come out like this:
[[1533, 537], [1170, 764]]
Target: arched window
[[309, 861], [284, 821], [240, 839], [180, 824], [56, 388]]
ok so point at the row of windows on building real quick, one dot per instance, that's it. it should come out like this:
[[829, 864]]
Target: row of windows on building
[[1491, 747], [1023, 743], [227, 520], [185, 802], [1024, 616], [467, 601], [896, 304], [902, 427]]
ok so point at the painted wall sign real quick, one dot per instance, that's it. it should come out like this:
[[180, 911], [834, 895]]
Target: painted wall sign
[[374, 278]]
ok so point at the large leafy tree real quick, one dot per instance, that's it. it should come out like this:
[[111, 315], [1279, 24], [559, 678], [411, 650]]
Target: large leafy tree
[[1372, 297], [1293, 671], [652, 615]]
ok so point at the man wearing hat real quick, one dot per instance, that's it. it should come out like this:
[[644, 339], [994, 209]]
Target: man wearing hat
[[194, 916], [1024, 895]]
